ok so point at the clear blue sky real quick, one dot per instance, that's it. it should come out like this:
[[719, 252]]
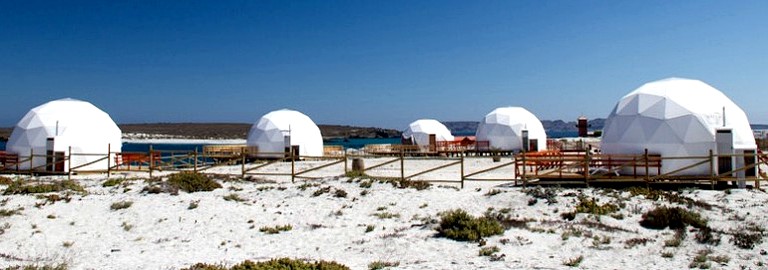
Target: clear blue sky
[[372, 63]]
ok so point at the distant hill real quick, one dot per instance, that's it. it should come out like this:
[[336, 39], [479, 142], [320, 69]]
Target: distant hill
[[469, 127], [240, 130]]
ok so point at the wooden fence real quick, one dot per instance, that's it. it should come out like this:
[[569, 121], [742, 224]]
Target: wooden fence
[[543, 167]]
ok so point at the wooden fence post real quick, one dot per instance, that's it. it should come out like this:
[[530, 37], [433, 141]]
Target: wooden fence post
[[345, 162], [31, 158], [712, 173], [151, 160], [462, 171], [647, 171], [293, 167], [525, 179], [242, 164], [402, 166], [69, 163], [109, 157]]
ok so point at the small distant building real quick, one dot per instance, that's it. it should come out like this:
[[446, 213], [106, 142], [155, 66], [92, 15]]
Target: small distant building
[[512, 129], [278, 131], [582, 123], [420, 130], [679, 118], [50, 130]]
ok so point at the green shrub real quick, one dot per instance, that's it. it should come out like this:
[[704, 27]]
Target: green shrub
[[386, 215], [677, 239], [366, 184], [590, 206], [233, 197], [61, 266], [574, 262], [5, 180], [112, 182], [121, 205], [674, 218], [459, 225], [274, 264], [377, 265], [549, 194], [705, 236], [18, 187], [8, 213], [276, 229], [192, 182], [340, 193], [488, 251], [369, 228], [321, 191], [746, 240]]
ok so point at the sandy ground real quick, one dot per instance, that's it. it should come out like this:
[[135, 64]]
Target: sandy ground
[[160, 231]]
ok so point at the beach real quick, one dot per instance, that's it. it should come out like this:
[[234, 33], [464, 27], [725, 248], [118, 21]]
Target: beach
[[360, 221]]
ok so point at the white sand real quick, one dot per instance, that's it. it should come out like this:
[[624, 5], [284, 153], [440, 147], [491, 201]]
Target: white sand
[[165, 234]]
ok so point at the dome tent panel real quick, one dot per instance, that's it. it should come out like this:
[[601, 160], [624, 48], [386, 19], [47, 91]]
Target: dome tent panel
[[71, 123], [270, 133], [503, 128], [418, 131], [676, 126]]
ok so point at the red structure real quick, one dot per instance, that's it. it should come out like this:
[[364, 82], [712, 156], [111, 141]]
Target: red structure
[[582, 124]]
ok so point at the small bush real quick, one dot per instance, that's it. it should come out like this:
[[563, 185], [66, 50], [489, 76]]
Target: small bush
[[459, 225], [630, 243], [366, 184], [8, 213], [112, 182], [488, 251], [126, 226], [192, 182], [700, 260], [590, 206], [386, 215], [321, 191], [120, 205], [377, 265], [677, 239], [746, 240], [233, 197], [417, 185], [493, 192], [705, 236], [276, 229], [5, 180], [274, 264], [549, 194], [574, 262], [674, 218], [369, 228], [61, 266], [340, 193], [18, 187], [193, 205]]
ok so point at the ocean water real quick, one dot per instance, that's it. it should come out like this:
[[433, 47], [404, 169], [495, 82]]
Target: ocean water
[[347, 144]]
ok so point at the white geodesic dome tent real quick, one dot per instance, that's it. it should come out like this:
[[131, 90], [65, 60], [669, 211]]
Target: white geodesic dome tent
[[418, 131], [675, 118], [503, 129], [69, 123], [278, 129]]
